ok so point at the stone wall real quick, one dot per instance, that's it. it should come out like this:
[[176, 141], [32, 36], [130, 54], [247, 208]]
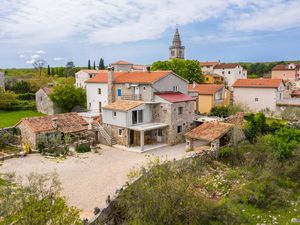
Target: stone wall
[[113, 131], [28, 137], [44, 104]]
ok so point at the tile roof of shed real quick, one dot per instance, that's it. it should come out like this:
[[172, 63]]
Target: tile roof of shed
[[205, 89], [174, 97], [66, 123], [48, 90], [123, 105], [257, 83], [131, 77], [209, 131]]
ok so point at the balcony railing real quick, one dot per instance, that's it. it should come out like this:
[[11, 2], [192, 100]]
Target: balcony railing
[[132, 97]]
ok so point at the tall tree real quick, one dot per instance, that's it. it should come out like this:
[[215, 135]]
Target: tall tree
[[89, 64], [187, 69], [48, 70], [39, 65], [69, 70], [94, 66], [101, 64], [52, 71]]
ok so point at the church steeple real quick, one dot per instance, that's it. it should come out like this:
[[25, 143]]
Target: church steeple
[[176, 50]]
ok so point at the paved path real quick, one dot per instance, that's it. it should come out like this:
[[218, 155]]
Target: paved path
[[89, 178]]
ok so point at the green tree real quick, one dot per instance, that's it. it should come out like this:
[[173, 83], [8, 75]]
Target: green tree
[[89, 64], [66, 97], [101, 64], [187, 69], [48, 70], [38, 202], [52, 71], [8, 99], [94, 65], [256, 125]]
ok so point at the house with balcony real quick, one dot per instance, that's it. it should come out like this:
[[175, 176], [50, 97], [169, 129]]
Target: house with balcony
[[208, 96], [259, 94], [142, 110]]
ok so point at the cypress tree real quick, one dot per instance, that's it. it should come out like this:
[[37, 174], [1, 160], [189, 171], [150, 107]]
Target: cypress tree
[[89, 64], [52, 71], [101, 64], [48, 71], [94, 66]]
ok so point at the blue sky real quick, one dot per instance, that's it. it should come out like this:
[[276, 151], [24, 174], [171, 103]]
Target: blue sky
[[140, 31]]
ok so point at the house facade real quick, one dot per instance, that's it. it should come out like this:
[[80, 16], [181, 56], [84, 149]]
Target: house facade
[[288, 73], [144, 108], [208, 96], [230, 73], [43, 102], [207, 68], [258, 94], [83, 75]]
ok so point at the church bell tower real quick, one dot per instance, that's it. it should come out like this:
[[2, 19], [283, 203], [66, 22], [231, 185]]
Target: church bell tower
[[176, 50]]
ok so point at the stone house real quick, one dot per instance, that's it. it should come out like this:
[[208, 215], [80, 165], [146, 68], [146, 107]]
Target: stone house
[[259, 94], [2, 80], [208, 96], [32, 129], [43, 102]]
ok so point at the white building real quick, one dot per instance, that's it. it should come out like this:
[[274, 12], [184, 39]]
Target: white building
[[83, 75], [258, 94], [124, 66], [230, 72]]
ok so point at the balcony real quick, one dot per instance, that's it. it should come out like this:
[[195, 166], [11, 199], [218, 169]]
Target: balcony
[[132, 97]]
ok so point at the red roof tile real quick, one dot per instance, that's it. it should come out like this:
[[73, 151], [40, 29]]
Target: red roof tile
[[209, 63], [121, 62], [174, 97], [205, 89], [131, 77], [226, 66], [257, 83], [66, 123], [285, 67]]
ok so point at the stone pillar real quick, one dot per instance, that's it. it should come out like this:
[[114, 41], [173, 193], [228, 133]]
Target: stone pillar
[[110, 84], [142, 134]]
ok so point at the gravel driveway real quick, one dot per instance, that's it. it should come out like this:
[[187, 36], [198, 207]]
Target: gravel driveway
[[89, 178]]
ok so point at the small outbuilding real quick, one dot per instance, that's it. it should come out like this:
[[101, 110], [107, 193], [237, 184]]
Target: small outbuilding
[[211, 134], [32, 129], [43, 102]]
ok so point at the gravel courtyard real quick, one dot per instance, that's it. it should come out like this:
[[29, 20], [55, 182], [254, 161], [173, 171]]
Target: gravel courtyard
[[89, 178]]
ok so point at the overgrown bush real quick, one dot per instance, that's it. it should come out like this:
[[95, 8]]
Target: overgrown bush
[[26, 96], [54, 145], [291, 113], [225, 111], [82, 148]]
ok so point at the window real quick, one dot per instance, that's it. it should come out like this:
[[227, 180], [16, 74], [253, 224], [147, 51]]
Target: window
[[175, 88], [91, 75], [229, 72], [114, 114], [144, 88], [140, 116], [100, 107], [119, 92], [223, 72], [90, 105], [256, 99], [134, 117], [120, 132], [99, 91], [207, 79], [172, 53], [179, 129], [180, 110], [159, 132]]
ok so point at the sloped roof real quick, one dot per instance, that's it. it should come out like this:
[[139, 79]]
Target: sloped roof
[[226, 66], [285, 67], [174, 97], [236, 119], [48, 90], [121, 62], [66, 123], [92, 71], [257, 83], [205, 89], [131, 77], [123, 105], [209, 131], [208, 63]]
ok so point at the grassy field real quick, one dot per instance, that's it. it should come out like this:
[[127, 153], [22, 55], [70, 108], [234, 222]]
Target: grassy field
[[8, 118]]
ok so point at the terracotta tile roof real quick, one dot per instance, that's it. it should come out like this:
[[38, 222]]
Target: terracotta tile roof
[[205, 89], [66, 123], [174, 97], [131, 77], [295, 93], [139, 67], [121, 62], [92, 71], [48, 90], [237, 119], [123, 105], [257, 83], [208, 63], [209, 131], [285, 67], [226, 66]]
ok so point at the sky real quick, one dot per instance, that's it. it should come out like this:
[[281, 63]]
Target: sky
[[141, 31]]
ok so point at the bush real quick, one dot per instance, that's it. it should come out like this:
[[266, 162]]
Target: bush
[[291, 113], [82, 148], [26, 96], [220, 111]]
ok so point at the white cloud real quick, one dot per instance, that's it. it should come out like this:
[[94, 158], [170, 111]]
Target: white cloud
[[58, 59], [118, 21], [30, 61], [22, 56], [40, 52]]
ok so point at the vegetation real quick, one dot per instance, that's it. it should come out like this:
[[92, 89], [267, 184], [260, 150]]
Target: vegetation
[[67, 96], [256, 183], [291, 114], [188, 69], [225, 111], [82, 148], [37, 202], [10, 118], [55, 145]]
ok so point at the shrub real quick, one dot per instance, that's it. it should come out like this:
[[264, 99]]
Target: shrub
[[26, 96], [82, 148], [220, 111], [291, 113]]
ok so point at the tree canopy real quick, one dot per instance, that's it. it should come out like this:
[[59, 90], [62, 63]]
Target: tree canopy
[[67, 96], [187, 69]]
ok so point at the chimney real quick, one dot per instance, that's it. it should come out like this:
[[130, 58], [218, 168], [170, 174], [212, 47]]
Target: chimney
[[148, 69], [110, 84], [54, 122]]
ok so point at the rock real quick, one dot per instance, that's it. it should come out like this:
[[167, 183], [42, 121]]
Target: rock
[[295, 220]]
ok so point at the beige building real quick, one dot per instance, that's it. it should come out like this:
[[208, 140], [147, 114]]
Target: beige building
[[258, 94], [207, 68], [288, 73]]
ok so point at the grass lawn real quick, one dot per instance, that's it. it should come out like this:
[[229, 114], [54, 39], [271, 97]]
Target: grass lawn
[[10, 118]]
